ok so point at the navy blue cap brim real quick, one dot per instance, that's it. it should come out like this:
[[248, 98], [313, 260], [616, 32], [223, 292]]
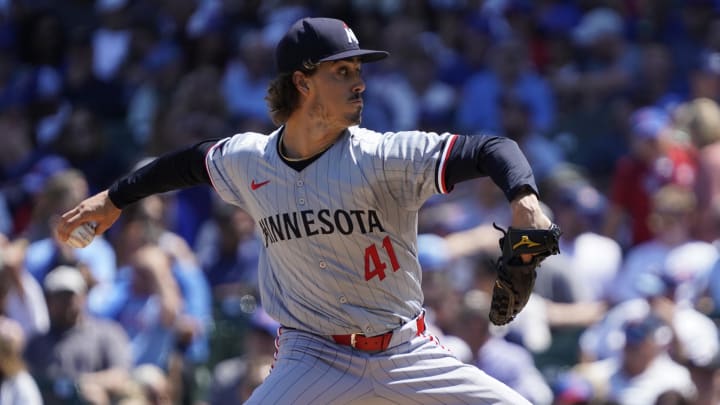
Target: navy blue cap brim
[[365, 55]]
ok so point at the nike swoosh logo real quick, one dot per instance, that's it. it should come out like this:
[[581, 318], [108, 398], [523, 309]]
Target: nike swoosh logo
[[256, 186]]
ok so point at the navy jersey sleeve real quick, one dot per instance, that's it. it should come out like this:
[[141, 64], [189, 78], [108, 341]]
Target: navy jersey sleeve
[[175, 170], [500, 158]]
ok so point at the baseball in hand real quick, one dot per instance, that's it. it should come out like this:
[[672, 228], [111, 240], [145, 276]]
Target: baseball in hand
[[82, 235]]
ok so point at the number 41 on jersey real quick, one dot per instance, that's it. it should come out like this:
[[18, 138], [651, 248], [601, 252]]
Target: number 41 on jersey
[[374, 266]]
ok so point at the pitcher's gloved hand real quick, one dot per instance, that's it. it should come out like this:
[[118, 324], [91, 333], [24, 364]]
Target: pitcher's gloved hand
[[515, 274]]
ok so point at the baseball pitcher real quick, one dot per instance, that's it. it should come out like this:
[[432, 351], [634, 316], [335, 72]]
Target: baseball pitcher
[[336, 208]]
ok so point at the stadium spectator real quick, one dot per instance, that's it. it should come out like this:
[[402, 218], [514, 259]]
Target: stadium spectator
[[17, 387], [111, 39], [21, 297], [147, 303], [24, 168], [699, 119], [409, 95], [646, 371], [608, 58], [443, 282], [508, 362], [227, 249], [508, 71], [164, 306], [81, 357], [84, 89], [235, 377], [515, 122], [670, 223], [245, 81], [96, 261], [652, 82], [143, 228], [156, 68], [594, 259], [154, 384], [656, 159], [83, 141], [197, 111]]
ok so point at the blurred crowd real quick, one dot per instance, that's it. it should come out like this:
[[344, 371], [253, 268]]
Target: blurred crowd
[[614, 103]]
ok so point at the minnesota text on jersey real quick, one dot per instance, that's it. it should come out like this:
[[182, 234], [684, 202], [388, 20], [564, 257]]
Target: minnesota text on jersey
[[299, 224]]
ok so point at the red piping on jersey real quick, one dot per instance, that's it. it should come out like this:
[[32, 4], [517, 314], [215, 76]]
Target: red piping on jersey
[[207, 166], [443, 164]]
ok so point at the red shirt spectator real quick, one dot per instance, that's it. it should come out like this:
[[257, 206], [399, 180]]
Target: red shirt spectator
[[655, 160]]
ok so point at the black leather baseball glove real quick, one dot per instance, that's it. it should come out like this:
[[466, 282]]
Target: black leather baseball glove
[[515, 277]]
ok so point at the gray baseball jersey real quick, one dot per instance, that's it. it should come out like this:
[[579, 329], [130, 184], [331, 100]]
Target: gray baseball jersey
[[341, 256], [340, 235]]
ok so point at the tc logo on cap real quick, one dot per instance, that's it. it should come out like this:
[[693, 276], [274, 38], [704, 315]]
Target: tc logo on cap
[[352, 39]]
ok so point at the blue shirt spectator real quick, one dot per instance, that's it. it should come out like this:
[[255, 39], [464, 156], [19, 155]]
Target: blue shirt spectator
[[513, 365], [478, 109], [98, 258], [161, 315]]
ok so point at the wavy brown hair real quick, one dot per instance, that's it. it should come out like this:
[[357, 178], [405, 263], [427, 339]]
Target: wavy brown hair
[[283, 97]]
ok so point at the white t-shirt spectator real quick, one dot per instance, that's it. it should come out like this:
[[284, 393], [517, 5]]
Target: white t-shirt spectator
[[662, 375], [20, 390], [30, 310]]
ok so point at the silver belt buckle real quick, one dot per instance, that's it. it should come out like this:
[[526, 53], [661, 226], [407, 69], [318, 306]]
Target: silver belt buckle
[[353, 340]]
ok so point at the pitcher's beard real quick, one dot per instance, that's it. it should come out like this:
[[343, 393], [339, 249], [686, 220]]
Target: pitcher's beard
[[354, 118]]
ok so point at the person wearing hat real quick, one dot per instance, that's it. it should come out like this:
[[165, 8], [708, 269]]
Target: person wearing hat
[[337, 208], [642, 369], [80, 356], [645, 369]]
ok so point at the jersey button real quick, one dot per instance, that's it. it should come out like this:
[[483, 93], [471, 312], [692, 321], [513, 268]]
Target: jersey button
[[343, 300], [323, 265], [301, 201], [368, 329], [300, 183]]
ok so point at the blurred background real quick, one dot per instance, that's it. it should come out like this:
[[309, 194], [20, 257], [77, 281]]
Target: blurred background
[[613, 102]]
